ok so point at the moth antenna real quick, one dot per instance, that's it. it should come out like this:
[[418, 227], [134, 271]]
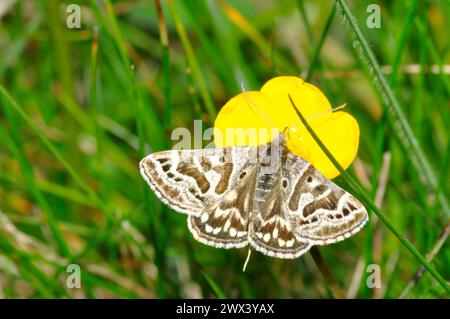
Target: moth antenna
[[320, 114], [255, 106], [247, 260], [326, 112]]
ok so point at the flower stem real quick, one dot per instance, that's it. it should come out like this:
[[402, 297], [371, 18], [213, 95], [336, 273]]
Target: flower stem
[[333, 285]]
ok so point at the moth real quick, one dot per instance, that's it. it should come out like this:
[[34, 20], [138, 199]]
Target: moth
[[265, 196]]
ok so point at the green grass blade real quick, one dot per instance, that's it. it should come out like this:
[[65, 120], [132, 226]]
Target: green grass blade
[[72, 171], [401, 126], [368, 202], [27, 169], [402, 42], [164, 39], [214, 286], [316, 54], [196, 71]]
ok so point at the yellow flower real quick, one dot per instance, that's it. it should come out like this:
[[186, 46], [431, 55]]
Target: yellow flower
[[270, 108]]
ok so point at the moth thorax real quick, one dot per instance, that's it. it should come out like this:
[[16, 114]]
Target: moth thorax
[[264, 184]]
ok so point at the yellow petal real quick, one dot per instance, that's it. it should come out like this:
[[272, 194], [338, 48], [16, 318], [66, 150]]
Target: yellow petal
[[339, 132], [250, 110], [308, 98], [270, 108]]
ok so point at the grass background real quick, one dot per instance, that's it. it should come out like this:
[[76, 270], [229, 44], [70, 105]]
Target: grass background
[[80, 107]]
